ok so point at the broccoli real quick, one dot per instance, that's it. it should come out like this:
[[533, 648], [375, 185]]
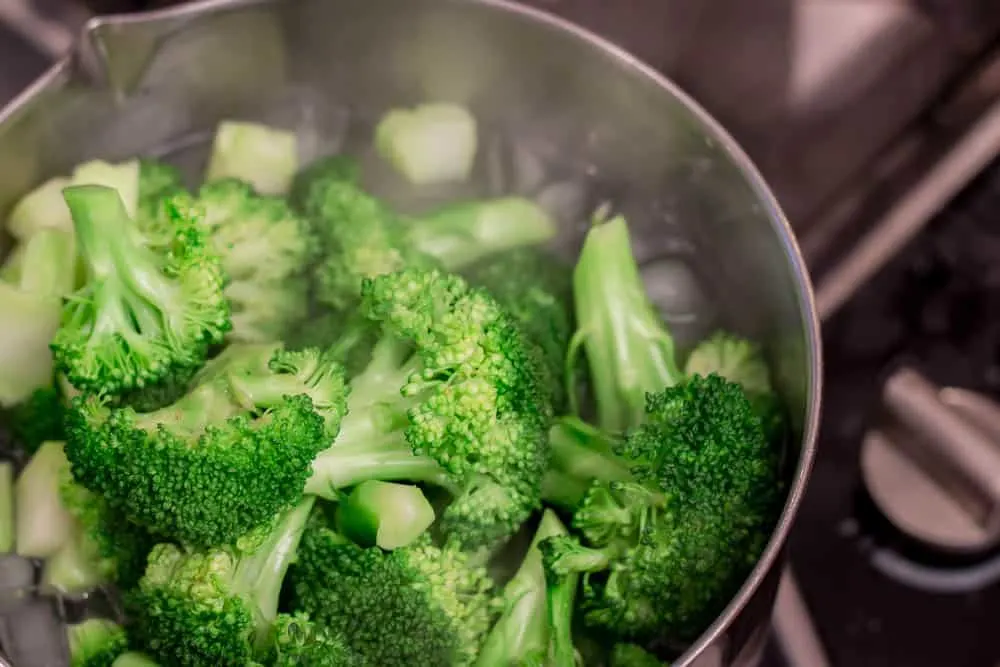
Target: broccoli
[[265, 157], [418, 605], [215, 607], [103, 546], [223, 459], [363, 238], [629, 351], [96, 642], [740, 360], [630, 655], [429, 144], [266, 249], [580, 454], [531, 618], [384, 514], [29, 314], [331, 168], [158, 181], [38, 419], [662, 553], [466, 411], [537, 290], [348, 338], [152, 304], [7, 530], [297, 642], [43, 523]]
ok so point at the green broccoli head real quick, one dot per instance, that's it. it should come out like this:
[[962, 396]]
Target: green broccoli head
[[665, 552], [418, 605], [298, 642], [152, 303], [266, 250], [224, 458], [309, 182], [157, 181], [38, 419], [630, 655], [216, 607], [536, 289], [96, 642]]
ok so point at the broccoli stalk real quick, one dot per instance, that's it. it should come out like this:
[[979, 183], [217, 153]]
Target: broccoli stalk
[[535, 618], [629, 351], [383, 514], [152, 304], [217, 607], [96, 642], [43, 524], [581, 455], [7, 526], [664, 552], [29, 314], [134, 659], [465, 411]]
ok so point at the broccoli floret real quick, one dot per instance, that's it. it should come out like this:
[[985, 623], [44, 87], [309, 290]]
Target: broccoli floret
[[217, 607], [297, 642], [223, 459], [333, 168], [418, 605], [383, 514], [465, 411], [266, 250], [363, 238], [43, 523], [537, 290], [103, 548], [531, 618], [664, 552], [29, 314], [629, 351], [96, 642], [40, 418], [157, 181], [630, 655], [152, 304]]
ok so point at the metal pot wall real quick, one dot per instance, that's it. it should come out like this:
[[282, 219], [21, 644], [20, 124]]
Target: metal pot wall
[[158, 83]]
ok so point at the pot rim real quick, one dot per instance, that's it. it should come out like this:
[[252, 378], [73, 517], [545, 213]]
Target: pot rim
[[779, 224]]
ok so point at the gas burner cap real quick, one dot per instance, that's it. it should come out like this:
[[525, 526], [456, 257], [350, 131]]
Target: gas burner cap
[[932, 467]]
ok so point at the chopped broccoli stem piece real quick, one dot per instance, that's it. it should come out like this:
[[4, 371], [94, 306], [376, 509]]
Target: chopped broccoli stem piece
[[629, 350], [333, 168], [7, 530], [134, 659], [265, 157], [226, 457], [29, 315], [429, 144], [525, 627], [152, 304], [96, 642], [383, 514], [215, 607], [43, 524], [462, 234], [42, 208]]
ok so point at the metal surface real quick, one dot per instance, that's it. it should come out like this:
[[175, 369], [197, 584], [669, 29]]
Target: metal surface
[[793, 627], [139, 84]]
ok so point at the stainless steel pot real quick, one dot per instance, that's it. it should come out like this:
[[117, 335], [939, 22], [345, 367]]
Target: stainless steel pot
[[158, 83]]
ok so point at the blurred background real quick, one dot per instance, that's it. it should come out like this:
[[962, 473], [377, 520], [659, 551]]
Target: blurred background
[[876, 123]]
